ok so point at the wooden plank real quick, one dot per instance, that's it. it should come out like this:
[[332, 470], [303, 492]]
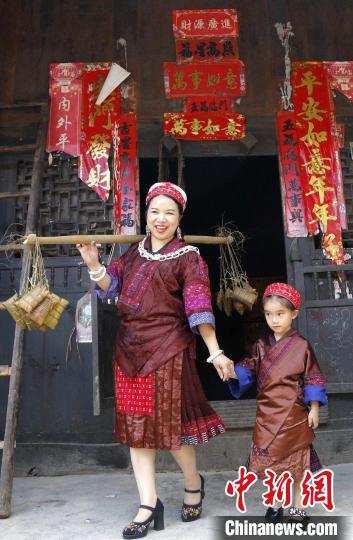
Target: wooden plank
[[5, 371], [24, 104], [14, 195], [7, 464], [19, 148], [2, 445]]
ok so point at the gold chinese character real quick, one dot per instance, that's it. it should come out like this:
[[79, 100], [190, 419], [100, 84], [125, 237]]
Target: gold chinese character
[[195, 126], [180, 83], [319, 186], [179, 127], [308, 80], [196, 77], [96, 178], [212, 79], [322, 213], [99, 146], [316, 164], [313, 138], [64, 104], [230, 79], [63, 121], [63, 139], [211, 129], [233, 129], [311, 111], [333, 247]]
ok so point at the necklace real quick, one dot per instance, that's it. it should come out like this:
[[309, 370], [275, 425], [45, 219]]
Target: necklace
[[164, 257]]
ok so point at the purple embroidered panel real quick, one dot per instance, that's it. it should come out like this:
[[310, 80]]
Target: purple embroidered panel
[[314, 379], [204, 317], [137, 283], [112, 292]]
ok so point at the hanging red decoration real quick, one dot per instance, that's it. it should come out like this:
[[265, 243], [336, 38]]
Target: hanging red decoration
[[217, 49], [199, 126], [205, 23]]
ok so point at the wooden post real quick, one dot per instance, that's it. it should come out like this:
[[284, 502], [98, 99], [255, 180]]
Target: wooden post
[[7, 464]]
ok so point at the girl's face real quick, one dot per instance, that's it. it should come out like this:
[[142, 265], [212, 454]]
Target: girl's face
[[163, 218], [279, 317]]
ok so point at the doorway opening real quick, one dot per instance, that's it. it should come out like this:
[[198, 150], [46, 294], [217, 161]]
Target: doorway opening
[[245, 191]]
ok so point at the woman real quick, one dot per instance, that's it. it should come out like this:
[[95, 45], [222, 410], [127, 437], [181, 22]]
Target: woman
[[164, 299]]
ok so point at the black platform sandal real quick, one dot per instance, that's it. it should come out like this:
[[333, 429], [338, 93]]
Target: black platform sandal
[[191, 512], [274, 515], [137, 529]]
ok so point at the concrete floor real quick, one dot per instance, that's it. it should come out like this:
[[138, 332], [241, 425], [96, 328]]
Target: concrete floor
[[97, 506]]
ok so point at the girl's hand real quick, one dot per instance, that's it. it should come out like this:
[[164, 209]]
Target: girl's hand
[[313, 418], [90, 255], [224, 367]]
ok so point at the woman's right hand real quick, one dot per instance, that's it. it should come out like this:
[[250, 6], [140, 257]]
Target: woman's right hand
[[90, 255]]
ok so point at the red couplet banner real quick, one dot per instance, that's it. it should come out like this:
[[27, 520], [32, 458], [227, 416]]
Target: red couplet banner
[[205, 23], [217, 49], [294, 208], [201, 79], [208, 104], [65, 108], [316, 147], [199, 126], [126, 172]]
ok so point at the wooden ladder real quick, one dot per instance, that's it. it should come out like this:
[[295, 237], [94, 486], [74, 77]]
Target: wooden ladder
[[15, 370]]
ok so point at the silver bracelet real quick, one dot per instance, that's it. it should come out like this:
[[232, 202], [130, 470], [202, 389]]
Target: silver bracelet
[[214, 355], [94, 272], [98, 277]]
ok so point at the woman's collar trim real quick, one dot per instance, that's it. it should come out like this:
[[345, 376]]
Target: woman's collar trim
[[164, 256]]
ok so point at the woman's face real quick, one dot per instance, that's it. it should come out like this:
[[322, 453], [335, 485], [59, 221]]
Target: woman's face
[[163, 218]]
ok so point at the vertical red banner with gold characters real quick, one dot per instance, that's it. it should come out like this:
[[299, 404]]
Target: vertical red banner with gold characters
[[96, 133], [65, 89], [127, 172], [316, 154], [294, 208]]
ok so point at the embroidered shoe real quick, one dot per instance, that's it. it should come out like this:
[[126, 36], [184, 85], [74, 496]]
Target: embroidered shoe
[[298, 515], [191, 512], [274, 514], [137, 529]]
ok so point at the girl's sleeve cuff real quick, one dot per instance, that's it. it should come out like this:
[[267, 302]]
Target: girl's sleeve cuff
[[315, 393], [244, 381]]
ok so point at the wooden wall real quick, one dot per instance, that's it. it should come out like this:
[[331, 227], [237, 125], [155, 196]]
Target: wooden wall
[[37, 32]]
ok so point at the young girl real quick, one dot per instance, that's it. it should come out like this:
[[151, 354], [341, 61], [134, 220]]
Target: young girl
[[289, 379]]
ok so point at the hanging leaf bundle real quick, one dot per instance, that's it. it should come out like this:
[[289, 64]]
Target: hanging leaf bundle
[[36, 307], [235, 292]]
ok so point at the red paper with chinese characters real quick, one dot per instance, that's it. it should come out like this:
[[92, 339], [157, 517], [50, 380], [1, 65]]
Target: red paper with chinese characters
[[127, 170], [316, 154], [294, 209], [65, 108], [205, 23], [208, 104], [341, 77], [201, 79], [218, 49], [199, 126], [96, 135]]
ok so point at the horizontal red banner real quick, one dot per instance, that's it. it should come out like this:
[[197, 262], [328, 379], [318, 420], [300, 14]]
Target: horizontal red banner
[[201, 79], [205, 23], [218, 49], [198, 126], [208, 104]]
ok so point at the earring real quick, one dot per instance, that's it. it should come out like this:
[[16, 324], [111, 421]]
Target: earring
[[179, 233], [148, 232]]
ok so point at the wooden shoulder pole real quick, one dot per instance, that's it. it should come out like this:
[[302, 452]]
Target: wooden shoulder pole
[[7, 464]]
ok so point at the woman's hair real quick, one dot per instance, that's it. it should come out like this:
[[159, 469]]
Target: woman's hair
[[279, 299], [180, 208]]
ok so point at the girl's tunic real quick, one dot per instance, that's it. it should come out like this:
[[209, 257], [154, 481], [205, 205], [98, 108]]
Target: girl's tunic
[[288, 377], [158, 395]]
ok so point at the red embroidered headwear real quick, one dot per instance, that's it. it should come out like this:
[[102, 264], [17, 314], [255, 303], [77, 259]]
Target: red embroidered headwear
[[286, 291], [170, 189]]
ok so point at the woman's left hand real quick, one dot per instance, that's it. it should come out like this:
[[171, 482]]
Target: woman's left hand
[[224, 367]]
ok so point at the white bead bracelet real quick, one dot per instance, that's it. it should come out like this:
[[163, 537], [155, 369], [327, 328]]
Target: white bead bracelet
[[214, 355], [97, 275]]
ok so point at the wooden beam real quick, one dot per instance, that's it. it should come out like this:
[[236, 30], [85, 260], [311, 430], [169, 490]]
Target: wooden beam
[[2, 445], [117, 239], [14, 195], [7, 464], [19, 148], [22, 105], [5, 371]]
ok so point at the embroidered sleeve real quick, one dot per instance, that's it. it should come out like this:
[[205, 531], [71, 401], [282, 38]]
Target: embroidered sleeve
[[115, 271], [314, 381], [246, 372], [196, 292]]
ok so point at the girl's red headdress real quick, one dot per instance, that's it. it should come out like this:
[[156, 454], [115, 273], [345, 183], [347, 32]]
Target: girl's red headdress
[[286, 291]]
